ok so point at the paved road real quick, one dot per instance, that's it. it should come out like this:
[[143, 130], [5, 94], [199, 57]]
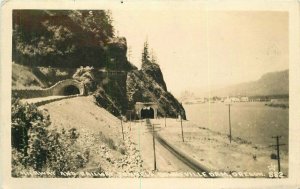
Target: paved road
[[45, 100], [39, 99]]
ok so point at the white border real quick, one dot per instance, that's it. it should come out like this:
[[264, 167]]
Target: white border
[[291, 6]]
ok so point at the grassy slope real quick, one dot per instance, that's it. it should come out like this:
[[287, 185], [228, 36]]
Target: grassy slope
[[100, 134]]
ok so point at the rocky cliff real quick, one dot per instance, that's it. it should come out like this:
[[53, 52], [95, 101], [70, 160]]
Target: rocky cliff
[[147, 85], [54, 43]]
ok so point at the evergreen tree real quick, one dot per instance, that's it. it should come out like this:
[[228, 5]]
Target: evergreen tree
[[145, 54]]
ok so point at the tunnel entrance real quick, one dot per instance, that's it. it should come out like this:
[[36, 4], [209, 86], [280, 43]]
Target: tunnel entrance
[[147, 113], [70, 90]]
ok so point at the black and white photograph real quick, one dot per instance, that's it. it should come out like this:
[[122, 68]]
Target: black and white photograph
[[144, 93]]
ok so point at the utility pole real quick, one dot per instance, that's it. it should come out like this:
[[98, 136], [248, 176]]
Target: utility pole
[[277, 149], [181, 128], [165, 121], [153, 132], [229, 122], [154, 154], [129, 119], [122, 127]]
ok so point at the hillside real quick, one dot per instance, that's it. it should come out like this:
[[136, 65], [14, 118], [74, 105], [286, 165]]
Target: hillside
[[273, 83], [25, 77]]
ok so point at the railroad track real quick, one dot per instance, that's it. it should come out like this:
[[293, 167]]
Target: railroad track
[[193, 164]]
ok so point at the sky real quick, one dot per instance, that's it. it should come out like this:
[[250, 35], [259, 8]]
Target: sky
[[207, 49]]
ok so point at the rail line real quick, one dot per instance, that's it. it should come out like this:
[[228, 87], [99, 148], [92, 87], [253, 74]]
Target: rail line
[[193, 164]]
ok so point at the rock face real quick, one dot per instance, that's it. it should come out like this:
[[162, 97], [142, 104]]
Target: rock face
[[148, 85], [154, 71]]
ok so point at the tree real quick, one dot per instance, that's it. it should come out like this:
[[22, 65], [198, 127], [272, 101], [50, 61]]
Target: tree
[[153, 57], [38, 147], [145, 54]]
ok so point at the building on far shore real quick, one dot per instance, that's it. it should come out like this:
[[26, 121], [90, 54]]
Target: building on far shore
[[279, 100], [244, 99], [235, 99]]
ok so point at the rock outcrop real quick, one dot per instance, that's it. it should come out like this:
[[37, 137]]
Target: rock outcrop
[[148, 85], [154, 71]]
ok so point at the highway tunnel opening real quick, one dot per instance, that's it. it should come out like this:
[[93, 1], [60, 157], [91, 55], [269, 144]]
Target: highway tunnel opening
[[147, 113], [71, 90]]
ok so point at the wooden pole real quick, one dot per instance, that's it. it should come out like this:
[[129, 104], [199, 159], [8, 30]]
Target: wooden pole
[[122, 128], [229, 123], [181, 128], [278, 150], [130, 121], [154, 146], [278, 153], [165, 121]]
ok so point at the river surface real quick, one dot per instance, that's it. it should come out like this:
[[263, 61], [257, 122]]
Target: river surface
[[251, 121]]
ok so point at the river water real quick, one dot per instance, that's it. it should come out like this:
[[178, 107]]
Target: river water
[[251, 121]]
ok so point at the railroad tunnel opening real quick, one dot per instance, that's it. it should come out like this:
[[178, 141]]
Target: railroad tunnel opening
[[71, 90], [147, 113]]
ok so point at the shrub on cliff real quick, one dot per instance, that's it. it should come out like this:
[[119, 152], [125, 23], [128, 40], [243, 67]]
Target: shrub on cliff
[[38, 148], [86, 76]]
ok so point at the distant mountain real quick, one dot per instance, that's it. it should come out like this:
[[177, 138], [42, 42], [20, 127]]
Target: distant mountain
[[270, 84], [186, 96], [273, 83]]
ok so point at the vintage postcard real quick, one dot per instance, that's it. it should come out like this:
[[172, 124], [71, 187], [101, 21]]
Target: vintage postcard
[[143, 94]]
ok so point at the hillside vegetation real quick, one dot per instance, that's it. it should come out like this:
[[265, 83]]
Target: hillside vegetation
[[70, 38]]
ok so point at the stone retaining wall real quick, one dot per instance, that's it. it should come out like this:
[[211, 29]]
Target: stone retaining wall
[[56, 89]]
